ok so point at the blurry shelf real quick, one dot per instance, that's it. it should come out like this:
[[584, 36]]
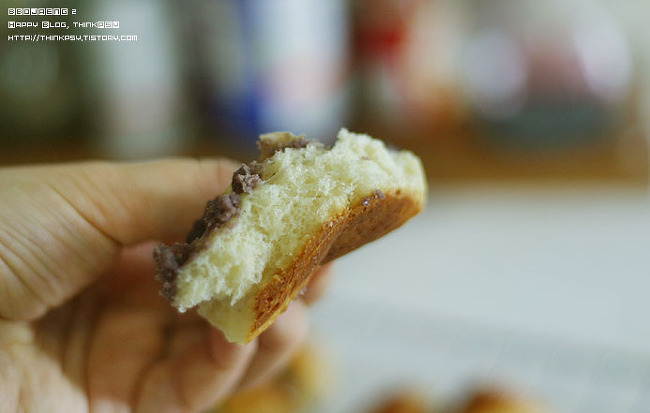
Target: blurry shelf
[[465, 155], [451, 156]]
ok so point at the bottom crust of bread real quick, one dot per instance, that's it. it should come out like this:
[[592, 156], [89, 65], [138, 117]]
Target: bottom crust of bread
[[374, 216]]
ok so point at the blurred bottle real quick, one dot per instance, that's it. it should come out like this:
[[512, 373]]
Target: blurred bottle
[[135, 87], [268, 65], [546, 74], [407, 56]]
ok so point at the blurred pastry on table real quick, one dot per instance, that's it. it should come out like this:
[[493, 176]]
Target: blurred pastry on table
[[405, 401], [496, 401], [478, 401], [307, 379]]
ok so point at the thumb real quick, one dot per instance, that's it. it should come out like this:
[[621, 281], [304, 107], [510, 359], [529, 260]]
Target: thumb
[[63, 226]]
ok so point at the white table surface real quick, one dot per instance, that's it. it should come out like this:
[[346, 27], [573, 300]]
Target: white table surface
[[500, 284]]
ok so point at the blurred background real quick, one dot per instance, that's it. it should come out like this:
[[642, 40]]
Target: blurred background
[[529, 269]]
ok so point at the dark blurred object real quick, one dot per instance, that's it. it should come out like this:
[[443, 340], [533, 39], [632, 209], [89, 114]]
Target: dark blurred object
[[547, 74], [63, 100], [270, 65], [41, 101]]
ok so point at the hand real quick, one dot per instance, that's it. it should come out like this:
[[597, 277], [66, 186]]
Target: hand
[[81, 324]]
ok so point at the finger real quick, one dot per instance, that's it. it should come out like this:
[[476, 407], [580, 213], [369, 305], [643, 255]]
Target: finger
[[61, 227], [197, 379], [131, 279], [318, 284], [135, 202], [186, 336], [277, 345], [126, 341]]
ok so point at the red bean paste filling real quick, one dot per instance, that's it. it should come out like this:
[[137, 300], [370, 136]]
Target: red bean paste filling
[[217, 213]]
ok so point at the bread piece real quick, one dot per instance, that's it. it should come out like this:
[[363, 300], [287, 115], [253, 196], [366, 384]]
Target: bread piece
[[298, 206]]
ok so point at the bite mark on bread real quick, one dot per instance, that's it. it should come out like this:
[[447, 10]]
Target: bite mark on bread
[[299, 205], [219, 211]]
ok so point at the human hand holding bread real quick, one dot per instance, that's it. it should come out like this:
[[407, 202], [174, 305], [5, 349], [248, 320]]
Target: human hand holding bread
[[81, 321]]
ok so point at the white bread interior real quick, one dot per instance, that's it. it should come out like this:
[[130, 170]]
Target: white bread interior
[[302, 190]]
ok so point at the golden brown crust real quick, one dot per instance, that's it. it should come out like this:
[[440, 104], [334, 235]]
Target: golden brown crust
[[374, 216]]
